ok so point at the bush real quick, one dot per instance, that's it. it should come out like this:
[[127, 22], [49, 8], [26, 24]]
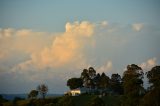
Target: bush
[[96, 101], [66, 101]]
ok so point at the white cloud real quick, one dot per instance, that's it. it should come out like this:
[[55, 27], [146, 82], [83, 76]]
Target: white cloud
[[106, 67], [26, 52], [67, 48], [137, 26], [6, 32], [148, 64], [104, 23], [23, 40]]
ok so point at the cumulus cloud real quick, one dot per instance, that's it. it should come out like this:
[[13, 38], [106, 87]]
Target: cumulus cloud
[[39, 50], [31, 56], [137, 26], [149, 64], [23, 40], [67, 47], [84, 28], [106, 67]]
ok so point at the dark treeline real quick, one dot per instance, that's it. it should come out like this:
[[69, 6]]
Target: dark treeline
[[129, 86], [125, 90]]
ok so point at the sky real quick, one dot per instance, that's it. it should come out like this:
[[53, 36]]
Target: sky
[[50, 41]]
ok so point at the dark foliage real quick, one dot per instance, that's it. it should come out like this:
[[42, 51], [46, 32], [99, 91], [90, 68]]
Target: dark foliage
[[74, 83], [96, 101], [42, 89]]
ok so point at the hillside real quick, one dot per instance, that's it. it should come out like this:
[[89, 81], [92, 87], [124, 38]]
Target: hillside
[[81, 100]]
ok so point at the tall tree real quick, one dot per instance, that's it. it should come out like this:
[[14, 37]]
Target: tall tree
[[154, 76], [88, 76], [74, 83], [42, 89], [85, 77], [133, 84], [84, 74], [104, 81], [115, 83], [132, 79], [97, 80], [152, 98], [91, 72]]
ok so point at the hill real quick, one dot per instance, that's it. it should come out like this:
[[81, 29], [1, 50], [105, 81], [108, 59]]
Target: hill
[[81, 100]]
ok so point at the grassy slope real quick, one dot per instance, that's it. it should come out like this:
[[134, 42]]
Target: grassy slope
[[109, 100], [81, 100], [112, 100]]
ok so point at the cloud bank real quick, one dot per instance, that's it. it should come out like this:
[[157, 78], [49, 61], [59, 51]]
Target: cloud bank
[[31, 57]]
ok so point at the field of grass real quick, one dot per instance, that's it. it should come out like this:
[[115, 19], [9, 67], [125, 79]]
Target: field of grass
[[81, 100]]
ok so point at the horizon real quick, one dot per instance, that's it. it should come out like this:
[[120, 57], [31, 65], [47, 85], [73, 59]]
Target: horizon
[[51, 41]]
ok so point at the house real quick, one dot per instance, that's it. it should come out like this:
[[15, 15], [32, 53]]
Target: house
[[83, 90], [78, 91]]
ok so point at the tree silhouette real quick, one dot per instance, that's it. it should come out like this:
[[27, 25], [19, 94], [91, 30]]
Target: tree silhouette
[[85, 77], [42, 89], [154, 76], [132, 79], [104, 81], [133, 85], [33, 94], [152, 98], [115, 83], [74, 83], [91, 72]]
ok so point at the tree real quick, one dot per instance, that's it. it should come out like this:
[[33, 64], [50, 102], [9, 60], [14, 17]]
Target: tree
[[132, 79], [133, 84], [104, 81], [84, 74], [74, 83], [87, 76], [33, 94], [154, 76], [115, 83], [151, 98], [153, 95], [42, 89], [91, 72]]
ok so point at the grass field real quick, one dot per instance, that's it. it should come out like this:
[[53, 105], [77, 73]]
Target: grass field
[[109, 100], [81, 100]]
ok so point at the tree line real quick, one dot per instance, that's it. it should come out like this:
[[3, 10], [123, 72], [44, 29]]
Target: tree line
[[127, 89], [130, 85]]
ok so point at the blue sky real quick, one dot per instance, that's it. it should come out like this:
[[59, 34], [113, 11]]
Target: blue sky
[[51, 15], [50, 41]]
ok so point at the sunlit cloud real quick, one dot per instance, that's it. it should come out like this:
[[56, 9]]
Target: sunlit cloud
[[67, 47], [150, 63], [137, 26], [105, 68]]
